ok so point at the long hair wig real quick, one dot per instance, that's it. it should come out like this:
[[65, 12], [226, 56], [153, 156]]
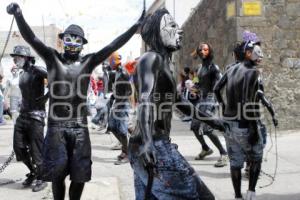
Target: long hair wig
[[197, 52], [151, 31]]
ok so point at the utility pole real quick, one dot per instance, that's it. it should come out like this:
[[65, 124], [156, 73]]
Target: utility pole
[[174, 8], [44, 29]]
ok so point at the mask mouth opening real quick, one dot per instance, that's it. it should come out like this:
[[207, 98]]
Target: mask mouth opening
[[73, 49]]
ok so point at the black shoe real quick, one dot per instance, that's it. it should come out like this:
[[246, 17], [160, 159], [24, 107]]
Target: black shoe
[[203, 154], [28, 181], [39, 185], [122, 159]]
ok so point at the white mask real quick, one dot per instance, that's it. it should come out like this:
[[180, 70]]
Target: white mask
[[19, 61], [257, 54], [170, 33]]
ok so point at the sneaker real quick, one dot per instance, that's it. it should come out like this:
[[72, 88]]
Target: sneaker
[[222, 162], [28, 181], [250, 195], [94, 126], [117, 146], [203, 154], [39, 185], [122, 159], [101, 128], [186, 119]]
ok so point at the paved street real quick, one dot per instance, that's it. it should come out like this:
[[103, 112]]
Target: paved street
[[111, 182]]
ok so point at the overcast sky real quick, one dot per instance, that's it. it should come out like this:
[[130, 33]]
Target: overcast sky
[[102, 20]]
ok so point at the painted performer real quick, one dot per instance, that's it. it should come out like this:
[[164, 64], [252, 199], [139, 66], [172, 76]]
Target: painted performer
[[67, 149], [29, 127], [244, 130], [160, 171], [120, 105], [208, 75]]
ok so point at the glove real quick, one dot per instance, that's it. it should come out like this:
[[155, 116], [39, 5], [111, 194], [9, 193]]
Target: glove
[[13, 8], [275, 121]]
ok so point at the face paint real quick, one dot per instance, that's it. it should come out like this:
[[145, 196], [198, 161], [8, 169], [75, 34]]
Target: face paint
[[204, 51], [257, 54], [19, 61], [170, 33], [73, 44]]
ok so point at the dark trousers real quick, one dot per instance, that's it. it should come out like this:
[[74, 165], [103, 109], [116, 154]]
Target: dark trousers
[[28, 143]]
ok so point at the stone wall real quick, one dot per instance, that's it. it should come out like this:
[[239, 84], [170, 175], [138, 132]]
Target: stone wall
[[208, 23], [278, 27]]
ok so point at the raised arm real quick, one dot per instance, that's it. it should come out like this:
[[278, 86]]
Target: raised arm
[[27, 33], [147, 73], [100, 56]]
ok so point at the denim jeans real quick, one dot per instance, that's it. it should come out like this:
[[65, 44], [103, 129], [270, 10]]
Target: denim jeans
[[118, 120], [239, 148], [101, 116], [208, 106], [175, 178]]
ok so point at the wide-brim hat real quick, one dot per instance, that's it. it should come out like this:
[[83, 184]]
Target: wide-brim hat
[[74, 29], [21, 51]]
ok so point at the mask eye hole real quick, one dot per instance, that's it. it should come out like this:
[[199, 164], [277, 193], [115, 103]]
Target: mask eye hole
[[68, 39], [78, 40]]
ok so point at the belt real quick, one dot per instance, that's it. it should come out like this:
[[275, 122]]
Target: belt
[[161, 137], [72, 123], [241, 124]]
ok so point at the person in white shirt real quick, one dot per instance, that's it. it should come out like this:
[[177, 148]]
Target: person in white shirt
[[13, 92]]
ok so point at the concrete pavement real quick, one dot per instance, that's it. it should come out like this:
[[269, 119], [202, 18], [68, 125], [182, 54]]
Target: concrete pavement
[[111, 182]]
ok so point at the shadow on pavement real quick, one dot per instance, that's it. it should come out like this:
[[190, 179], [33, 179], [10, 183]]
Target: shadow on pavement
[[103, 160], [12, 184], [214, 174], [101, 148], [295, 196], [192, 158]]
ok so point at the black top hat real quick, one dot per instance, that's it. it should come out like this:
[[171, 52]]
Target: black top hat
[[21, 51], [74, 30]]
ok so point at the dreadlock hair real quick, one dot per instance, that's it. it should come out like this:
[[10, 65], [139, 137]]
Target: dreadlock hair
[[150, 31]]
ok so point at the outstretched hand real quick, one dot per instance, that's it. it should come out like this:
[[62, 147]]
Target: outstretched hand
[[275, 122], [13, 8]]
